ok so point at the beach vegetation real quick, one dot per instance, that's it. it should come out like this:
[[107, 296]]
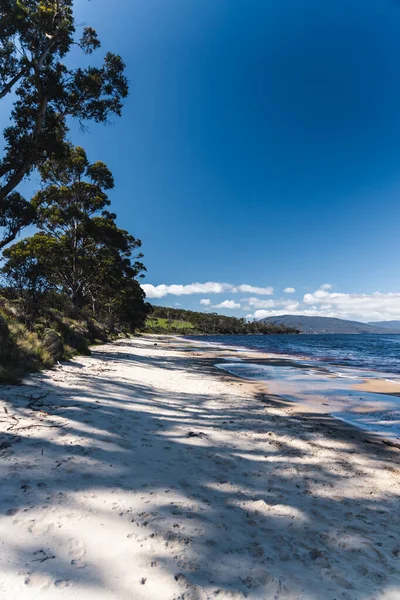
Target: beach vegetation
[[75, 281]]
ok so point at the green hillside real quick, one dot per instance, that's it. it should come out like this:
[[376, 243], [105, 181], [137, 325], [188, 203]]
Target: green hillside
[[163, 325], [164, 319]]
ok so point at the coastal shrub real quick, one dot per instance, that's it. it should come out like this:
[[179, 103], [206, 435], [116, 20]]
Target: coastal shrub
[[21, 349], [75, 334], [53, 343], [28, 344], [4, 347]]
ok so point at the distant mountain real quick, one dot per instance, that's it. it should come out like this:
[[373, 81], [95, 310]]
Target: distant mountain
[[329, 325], [393, 326]]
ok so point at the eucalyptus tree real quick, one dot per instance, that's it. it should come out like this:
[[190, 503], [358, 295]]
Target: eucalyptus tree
[[79, 250], [36, 38]]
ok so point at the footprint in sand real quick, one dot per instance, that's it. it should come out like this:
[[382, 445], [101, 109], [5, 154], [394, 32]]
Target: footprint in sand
[[76, 551], [39, 528], [62, 583], [37, 580]]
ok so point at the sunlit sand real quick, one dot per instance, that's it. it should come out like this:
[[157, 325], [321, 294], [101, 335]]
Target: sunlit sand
[[143, 472]]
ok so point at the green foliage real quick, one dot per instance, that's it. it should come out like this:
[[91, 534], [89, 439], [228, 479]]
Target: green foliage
[[165, 319], [160, 325], [21, 348], [26, 273], [32, 343], [76, 279], [79, 250], [35, 39]]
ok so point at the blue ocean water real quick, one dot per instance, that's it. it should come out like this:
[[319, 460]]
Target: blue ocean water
[[346, 360], [371, 352]]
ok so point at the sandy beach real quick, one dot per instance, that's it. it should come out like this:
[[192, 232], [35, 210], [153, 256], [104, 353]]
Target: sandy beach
[[144, 472]]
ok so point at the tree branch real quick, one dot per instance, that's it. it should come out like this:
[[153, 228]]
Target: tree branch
[[45, 53], [14, 180], [7, 88], [10, 237], [19, 174]]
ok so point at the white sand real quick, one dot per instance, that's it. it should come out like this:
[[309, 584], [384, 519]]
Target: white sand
[[140, 473]]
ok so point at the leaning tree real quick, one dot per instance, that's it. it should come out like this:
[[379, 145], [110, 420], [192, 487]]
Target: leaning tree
[[36, 37]]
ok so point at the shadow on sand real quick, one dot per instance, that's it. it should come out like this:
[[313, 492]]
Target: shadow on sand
[[238, 503]]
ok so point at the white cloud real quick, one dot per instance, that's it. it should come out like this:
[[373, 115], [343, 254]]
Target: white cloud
[[289, 290], [227, 304], [261, 314], [258, 303], [205, 301], [292, 306], [367, 307], [322, 302], [160, 291], [250, 289], [325, 303], [210, 287], [275, 307]]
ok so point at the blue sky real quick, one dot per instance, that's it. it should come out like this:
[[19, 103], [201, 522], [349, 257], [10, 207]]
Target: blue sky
[[260, 146]]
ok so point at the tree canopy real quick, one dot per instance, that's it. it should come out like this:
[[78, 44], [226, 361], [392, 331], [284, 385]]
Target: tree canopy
[[79, 250], [36, 37]]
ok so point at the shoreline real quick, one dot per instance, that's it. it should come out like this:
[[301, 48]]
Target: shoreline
[[323, 418], [296, 359], [145, 471], [378, 388]]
